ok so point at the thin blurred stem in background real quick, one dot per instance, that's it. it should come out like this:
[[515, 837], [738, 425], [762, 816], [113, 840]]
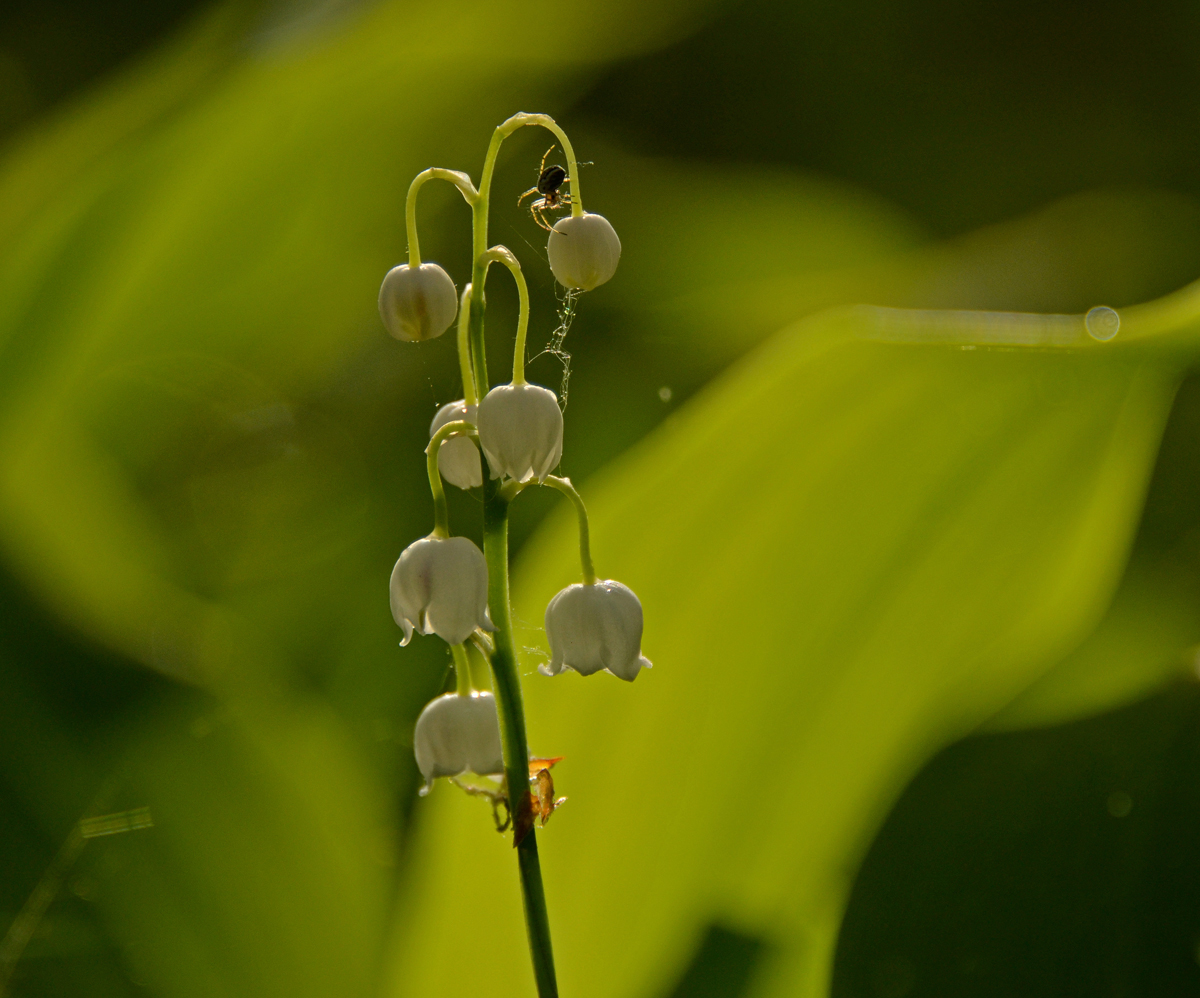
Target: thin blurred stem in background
[[23, 927]]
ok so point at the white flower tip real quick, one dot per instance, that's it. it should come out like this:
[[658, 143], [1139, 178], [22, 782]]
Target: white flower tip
[[521, 431], [439, 586], [457, 734], [417, 303], [594, 627], [583, 251], [630, 672]]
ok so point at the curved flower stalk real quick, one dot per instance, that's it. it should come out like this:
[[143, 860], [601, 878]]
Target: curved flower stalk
[[418, 301], [593, 625], [445, 585], [520, 425]]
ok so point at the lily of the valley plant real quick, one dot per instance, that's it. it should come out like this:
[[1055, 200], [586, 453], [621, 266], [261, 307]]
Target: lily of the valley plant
[[443, 584]]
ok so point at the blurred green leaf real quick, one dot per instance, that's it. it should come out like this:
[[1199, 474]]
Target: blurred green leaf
[[187, 287], [819, 625], [267, 871], [749, 250], [1037, 863], [1145, 641]]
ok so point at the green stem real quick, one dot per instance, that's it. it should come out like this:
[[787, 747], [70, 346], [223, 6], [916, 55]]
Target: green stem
[[479, 209], [506, 682], [502, 254], [585, 548], [462, 670], [441, 516], [503, 131], [470, 392], [459, 180], [475, 319]]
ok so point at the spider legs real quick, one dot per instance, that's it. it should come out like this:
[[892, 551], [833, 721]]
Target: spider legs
[[536, 210], [541, 205]]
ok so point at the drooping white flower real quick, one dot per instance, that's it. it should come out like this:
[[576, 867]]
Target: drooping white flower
[[583, 251], [595, 627], [521, 431], [439, 586], [458, 734], [417, 304], [458, 457]]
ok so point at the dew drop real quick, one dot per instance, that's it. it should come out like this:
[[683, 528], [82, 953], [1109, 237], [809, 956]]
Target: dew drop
[[665, 393], [1102, 323]]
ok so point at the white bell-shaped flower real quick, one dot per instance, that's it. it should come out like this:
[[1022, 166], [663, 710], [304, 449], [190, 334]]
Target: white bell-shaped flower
[[439, 586], [417, 304], [521, 431], [583, 251], [458, 734], [458, 457], [595, 627]]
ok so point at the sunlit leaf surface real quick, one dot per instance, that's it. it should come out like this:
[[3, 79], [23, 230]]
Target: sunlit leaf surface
[[818, 628]]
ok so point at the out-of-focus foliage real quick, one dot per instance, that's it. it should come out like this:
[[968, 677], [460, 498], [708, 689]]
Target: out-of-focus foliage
[[965, 112], [1055, 861], [850, 552], [51, 49], [845, 618]]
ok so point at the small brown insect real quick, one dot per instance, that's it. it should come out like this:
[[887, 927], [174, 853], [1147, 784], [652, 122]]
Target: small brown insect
[[546, 804], [539, 805], [550, 182]]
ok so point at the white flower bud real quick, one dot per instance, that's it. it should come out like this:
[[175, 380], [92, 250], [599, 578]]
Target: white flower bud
[[417, 304], [521, 431], [595, 627], [439, 586], [458, 734], [583, 251], [458, 457]]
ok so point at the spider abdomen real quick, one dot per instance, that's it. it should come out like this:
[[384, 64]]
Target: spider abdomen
[[551, 180]]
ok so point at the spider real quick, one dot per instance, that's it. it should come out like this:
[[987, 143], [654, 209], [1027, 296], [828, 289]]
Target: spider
[[550, 179]]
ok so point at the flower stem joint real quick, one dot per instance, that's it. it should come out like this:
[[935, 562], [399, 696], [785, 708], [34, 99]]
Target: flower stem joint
[[445, 585]]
